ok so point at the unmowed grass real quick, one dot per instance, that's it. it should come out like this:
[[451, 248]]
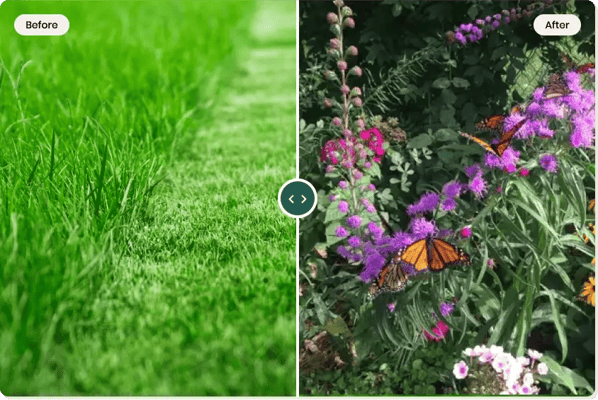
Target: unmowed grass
[[88, 122]]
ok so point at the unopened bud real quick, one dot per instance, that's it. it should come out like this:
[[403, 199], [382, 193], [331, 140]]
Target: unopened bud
[[342, 65], [346, 11], [333, 52], [356, 91], [349, 23], [345, 89], [338, 3], [356, 102], [360, 124], [355, 71], [330, 75], [335, 43], [332, 18], [336, 29], [336, 121], [352, 51], [328, 102]]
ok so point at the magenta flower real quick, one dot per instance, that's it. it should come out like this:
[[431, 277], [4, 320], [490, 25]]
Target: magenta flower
[[478, 186], [354, 221], [343, 207], [354, 241], [466, 232], [340, 232], [524, 172], [549, 163], [342, 184]]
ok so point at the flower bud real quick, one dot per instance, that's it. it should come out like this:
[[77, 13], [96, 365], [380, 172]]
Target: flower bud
[[330, 75], [349, 23], [332, 18], [360, 124], [355, 71], [336, 29], [335, 44], [356, 91], [345, 89], [356, 102], [333, 52], [346, 11], [336, 121], [352, 51], [342, 65], [338, 3], [347, 132], [328, 102]]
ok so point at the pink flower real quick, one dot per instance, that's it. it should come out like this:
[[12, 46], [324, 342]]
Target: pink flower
[[524, 172], [460, 370], [466, 232]]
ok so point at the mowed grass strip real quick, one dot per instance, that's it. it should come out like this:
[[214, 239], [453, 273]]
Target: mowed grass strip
[[87, 123], [203, 302]]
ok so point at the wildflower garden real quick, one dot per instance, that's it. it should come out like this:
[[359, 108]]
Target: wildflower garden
[[452, 249]]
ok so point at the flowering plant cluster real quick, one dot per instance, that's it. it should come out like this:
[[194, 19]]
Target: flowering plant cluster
[[476, 30], [498, 372]]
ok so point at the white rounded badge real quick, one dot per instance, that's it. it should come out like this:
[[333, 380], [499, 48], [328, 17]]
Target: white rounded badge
[[557, 24], [41, 24]]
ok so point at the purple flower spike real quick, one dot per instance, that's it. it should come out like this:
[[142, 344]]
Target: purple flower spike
[[549, 163], [354, 221]]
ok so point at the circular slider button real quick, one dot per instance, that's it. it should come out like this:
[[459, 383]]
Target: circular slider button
[[297, 198]]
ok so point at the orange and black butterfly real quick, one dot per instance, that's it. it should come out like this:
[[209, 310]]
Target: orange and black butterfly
[[588, 291], [494, 123], [592, 205], [433, 254], [592, 229], [499, 148], [557, 87], [392, 278], [585, 68]]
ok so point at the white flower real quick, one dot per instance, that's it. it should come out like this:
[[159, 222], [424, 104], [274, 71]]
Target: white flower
[[486, 357], [528, 379], [523, 361], [496, 350], [469, 352], [460, 370], [500, 362], [535, 355], [542, 369], [478, 350], [525, 389]]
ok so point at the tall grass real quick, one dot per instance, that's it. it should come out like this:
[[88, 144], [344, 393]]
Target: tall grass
[[87, 121]]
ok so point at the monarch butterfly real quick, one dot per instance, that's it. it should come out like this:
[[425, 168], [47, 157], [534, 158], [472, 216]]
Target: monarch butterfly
[[588, 291], [592, 205], [557, 87], [499, 148], [392, 278], [434, 254], [494, 123], [584, 68], [592, 229]]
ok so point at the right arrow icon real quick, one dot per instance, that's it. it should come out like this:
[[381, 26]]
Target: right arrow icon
[[303, 199]]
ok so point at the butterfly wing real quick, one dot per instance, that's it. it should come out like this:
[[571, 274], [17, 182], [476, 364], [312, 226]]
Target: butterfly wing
[[392, 278], [416, 255], [492, 123], [588, 291], [557, 87], [444, 254], [584, 68], [592, 205], [479, 141], [505, 140]]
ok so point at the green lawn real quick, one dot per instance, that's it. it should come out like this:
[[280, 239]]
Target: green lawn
[[141, 246]]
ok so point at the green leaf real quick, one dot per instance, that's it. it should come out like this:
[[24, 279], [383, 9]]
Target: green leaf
[[566, 376], [441, 83], [420, 141], [337, 326], [460, 82]]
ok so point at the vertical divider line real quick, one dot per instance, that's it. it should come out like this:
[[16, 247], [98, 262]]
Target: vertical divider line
[[297, 176]]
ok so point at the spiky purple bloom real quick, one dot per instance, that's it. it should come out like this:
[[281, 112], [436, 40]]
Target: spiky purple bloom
[[509, 159], [375, 230], [370, 208], [343, 207], [583, 132], [549, 163], [329, 168], [340, 232], [344, 252], [446, 308], [448, 204], [354, 241], [452, 189], [421, 228], [332, 197], [472, 170], [391, 307], [478, 186], [372, 187], [492, 161], [342, 184], [524, 172], [357, 174], [367, 165], [354, 221]]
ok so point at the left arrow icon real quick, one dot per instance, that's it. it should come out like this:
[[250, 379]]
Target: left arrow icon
[[291, 199]]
